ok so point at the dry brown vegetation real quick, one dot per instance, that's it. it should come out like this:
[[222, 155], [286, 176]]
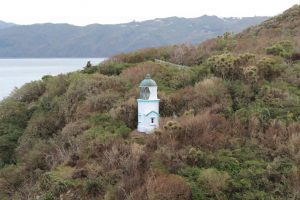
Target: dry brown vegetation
[[229, 126]]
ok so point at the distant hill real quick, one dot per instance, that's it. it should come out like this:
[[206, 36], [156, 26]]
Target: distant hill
[[64, 40], [4, 25]]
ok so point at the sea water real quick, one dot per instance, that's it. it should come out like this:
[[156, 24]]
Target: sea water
[[16, 72]]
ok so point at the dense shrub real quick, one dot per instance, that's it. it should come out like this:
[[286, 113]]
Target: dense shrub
[[283, 49], [270, 68], [167, 187], [205, 129], [13, 120], [30, 91], [185, 54], [166, 108], [8, 143], [45, 125], [11, 177], [241, 94], [111, 67], [14, 112], [105, 128], [138, 72], [213, 180], [97, 103], [144, 55], [42, 155], [225, 42], [82, 87], [56, 86], [250, 74], [229, 66], [174, 78], [294, 56], [94, 188], [127, 112], [209, 92]]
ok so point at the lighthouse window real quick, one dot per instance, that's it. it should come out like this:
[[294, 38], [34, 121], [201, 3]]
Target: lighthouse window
[[140, 118], [145, 93], [152, 120]]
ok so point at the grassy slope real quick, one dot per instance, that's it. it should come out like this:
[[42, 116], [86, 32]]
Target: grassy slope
[[235, 134]]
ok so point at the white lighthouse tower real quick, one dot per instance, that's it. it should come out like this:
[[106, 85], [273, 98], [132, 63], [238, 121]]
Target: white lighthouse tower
[[148, 106]]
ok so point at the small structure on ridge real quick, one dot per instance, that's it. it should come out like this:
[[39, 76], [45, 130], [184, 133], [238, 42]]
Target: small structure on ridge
[[148, 106]]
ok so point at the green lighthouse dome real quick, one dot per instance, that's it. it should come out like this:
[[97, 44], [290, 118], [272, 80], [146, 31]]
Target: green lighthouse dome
[[148, 82]]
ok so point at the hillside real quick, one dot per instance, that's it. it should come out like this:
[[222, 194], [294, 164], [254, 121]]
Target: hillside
[[64, 40], [257, 38], [229, 124]]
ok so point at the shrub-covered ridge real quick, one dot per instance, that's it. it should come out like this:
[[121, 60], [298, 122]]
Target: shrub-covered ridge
[[229, 126]]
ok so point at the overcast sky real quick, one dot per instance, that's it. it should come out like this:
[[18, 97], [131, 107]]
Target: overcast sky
[[83, 12]]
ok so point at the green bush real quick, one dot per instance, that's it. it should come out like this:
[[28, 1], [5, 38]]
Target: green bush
[[13, 120], [168, 186], [225, 66], [106, 128], [227, 163], [174, 78], [8, 143], [62, 187], [208, 92], [124, 131], [12, 177], [251, 74], [225, 42], [206, 183], [45, 124], [56, 86], [112, 68], [270, 68], [257, 109], [283, 49], [241, 94], [30, 91], [213, 180], [48, 196], [94, 187], [232, 67], [14, 112]]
